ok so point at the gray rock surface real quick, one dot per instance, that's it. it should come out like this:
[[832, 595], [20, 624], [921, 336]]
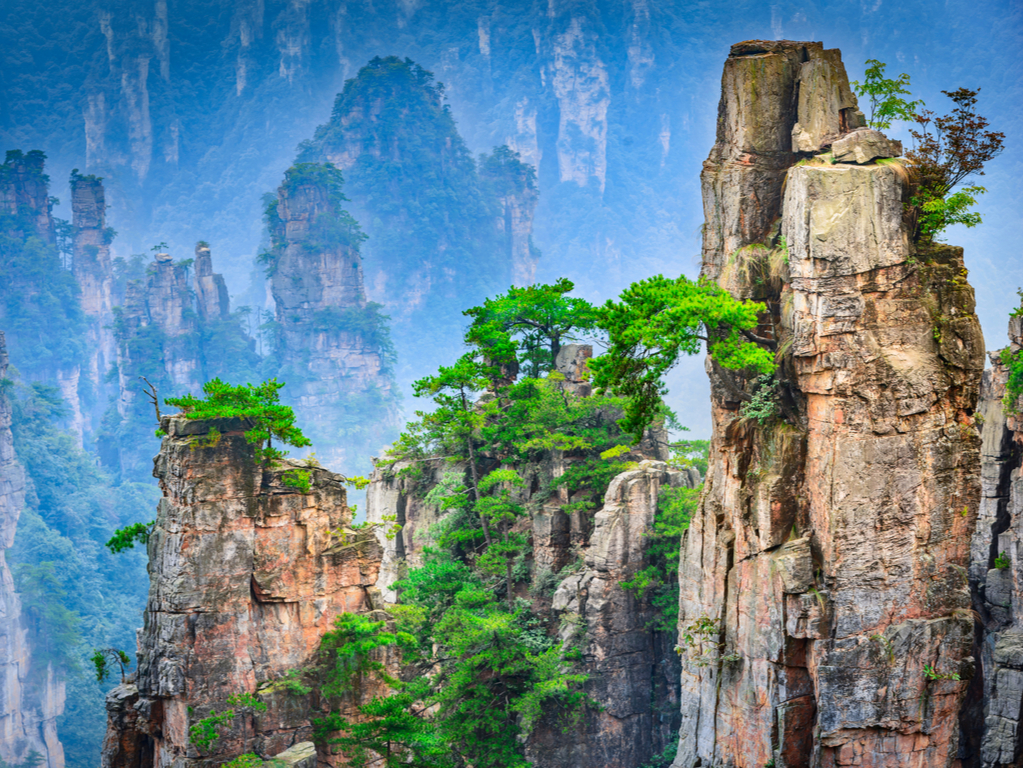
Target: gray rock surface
[[863, 146], [826, 559]]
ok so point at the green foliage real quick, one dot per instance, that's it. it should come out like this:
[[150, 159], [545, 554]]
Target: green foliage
[[938, 213], [1002, 562], [103, 657], [947, 151], [690, 453], [258, 405], [886, 95], [347, 651], [1014, 362], [659, 581], [763, 405], [53, 628], [129, 536], [932, 674], [538, 318], [297, 478], [32, 760], [203, 733], [248, 760], [658, 319]]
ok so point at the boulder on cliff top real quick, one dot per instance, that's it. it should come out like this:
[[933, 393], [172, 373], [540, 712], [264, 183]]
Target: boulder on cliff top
[[864, 145]]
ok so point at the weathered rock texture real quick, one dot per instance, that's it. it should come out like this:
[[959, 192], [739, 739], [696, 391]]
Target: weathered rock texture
[[30, 699], [91, 266], [831, 545], [991, 722], [246, 574], [633, 671], [212, 299], [331, 357]]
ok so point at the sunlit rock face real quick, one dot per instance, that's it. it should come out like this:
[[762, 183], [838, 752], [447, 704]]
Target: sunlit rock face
[[991, 721], [830, 551], [31, 699], [246, 574]]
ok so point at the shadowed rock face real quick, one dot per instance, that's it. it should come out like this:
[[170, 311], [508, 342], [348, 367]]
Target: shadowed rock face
[[246, 574], [31, 700], [830, 549], [991, 720]]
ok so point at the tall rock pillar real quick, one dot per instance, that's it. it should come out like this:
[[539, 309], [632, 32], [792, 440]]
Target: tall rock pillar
[[30, 699], [246, 574], [825, 618], [90, 264]]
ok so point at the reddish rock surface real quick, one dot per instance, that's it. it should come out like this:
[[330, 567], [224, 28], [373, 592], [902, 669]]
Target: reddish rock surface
[[246, 575], [830, 552]]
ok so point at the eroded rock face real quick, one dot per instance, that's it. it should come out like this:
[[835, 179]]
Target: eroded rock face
[[211, 291], [334, 365], [91, 266], [246, 574], [829, 553], [31, 700], [991, 721], [632, 668]]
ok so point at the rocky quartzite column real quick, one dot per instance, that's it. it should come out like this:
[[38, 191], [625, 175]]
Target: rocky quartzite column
[[246, 574], [331, 350], [212, 298], [91, 266], [825, 617], [991, 731], [31, 700]]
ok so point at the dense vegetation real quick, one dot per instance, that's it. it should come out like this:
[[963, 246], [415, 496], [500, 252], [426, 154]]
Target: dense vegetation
[[75, 595]]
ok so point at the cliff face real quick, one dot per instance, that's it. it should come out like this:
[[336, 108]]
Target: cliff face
[[246, 574], [30, 700], [991, 721], [91, 267], [584, 554], [824, 615], [45, 343], [333, 345]]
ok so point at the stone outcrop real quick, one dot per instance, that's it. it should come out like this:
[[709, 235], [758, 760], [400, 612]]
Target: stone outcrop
[[824, 615], [515, 186], [31, 699], [212, 299], [246, 574], [633, 671], [991, 734], [91, 266], [332, 341]]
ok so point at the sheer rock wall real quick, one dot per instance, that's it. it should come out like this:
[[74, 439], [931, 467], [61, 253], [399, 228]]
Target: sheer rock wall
[[30, 700], [991, 733], [327, 358], [246, 574], [829, 553]]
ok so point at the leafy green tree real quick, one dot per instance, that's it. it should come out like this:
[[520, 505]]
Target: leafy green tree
[[886, 96], [256, 404], [103, 658], [54, 629], [658, 319], [539, 318], [948, 150], [129, 536]]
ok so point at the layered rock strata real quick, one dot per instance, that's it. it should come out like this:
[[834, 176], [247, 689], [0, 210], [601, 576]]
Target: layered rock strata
[[331, 350], [824, 615], [212, 299], [246, 574], [991, 722], [31, 699]]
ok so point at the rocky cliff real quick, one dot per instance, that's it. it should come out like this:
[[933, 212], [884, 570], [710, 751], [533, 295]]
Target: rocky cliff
[[334, 348], [31, 700], [991, 733], [91, 267], [40, 304], [825, 618], [246, 574]]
